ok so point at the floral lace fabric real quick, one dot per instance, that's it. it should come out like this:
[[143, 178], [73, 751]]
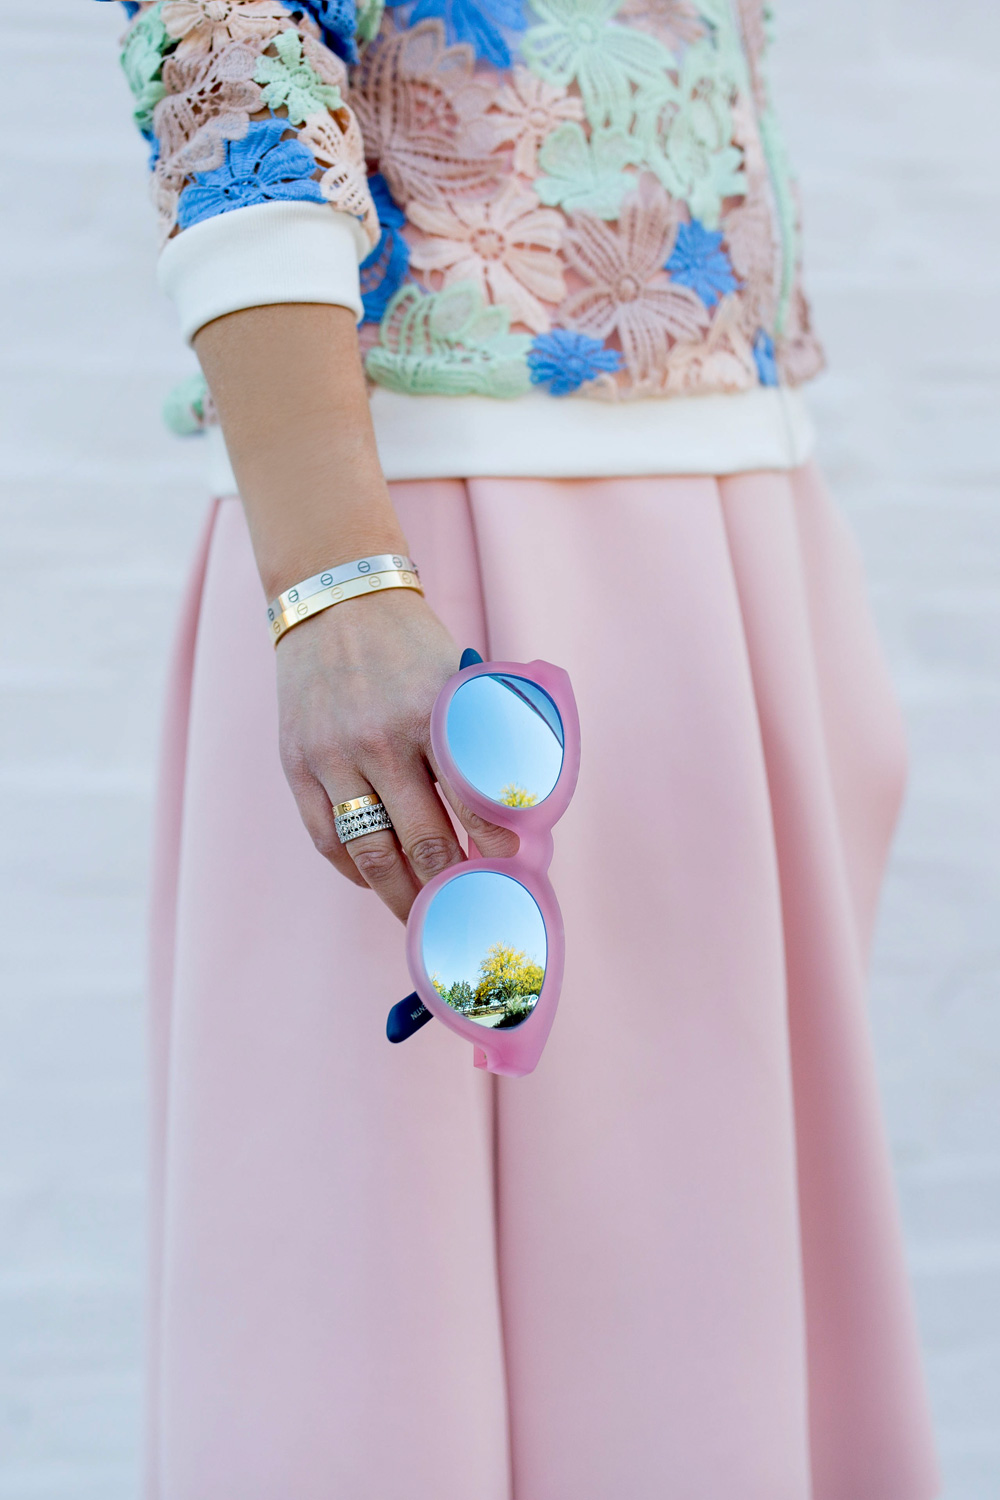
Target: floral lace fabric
[[586, 197]]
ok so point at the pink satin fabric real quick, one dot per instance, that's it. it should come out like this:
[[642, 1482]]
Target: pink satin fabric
[[667, 1265]]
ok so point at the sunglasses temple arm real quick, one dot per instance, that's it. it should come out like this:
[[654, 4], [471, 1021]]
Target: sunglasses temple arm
[[406, 1018]]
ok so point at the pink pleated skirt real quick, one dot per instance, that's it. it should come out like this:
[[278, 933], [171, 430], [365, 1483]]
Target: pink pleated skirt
[[666, 1266]]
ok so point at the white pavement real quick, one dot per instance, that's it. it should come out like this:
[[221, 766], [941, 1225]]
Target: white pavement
[[893, 112]]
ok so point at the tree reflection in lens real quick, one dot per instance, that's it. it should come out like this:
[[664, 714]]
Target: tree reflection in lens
[[484, 947]]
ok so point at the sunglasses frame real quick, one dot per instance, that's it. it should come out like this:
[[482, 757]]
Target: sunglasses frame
[[511, 1051]]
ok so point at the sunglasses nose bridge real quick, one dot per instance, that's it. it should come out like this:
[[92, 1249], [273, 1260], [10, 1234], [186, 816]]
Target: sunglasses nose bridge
[[536, 846]]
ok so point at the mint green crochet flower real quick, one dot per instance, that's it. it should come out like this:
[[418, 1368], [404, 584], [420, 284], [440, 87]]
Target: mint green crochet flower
[[700, 175], [782, 182], [686, 131], [184, 408], [730, 57], [290, 80], [369, 21], [142, 59], [731, 70], [586, 175], [449, 343], [577, 40]]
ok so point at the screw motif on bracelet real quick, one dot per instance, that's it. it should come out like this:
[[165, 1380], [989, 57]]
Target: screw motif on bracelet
[[325, 598], [384, 562]]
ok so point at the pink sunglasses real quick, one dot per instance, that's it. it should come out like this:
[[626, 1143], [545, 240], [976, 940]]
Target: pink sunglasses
[[484, 939]]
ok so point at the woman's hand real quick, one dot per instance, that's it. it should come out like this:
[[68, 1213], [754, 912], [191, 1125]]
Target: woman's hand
[[356, 685]]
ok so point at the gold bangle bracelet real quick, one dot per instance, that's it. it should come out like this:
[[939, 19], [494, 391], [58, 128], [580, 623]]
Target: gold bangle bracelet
[[394, 578], [356, 804]]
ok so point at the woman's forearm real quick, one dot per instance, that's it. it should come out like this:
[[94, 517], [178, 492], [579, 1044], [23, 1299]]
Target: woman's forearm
[[289, 389], [356, 682]]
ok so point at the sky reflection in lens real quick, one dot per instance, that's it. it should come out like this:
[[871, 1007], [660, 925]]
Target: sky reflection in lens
[[506, 737]]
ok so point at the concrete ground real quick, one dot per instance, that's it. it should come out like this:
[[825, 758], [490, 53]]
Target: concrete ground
[[893, 110]]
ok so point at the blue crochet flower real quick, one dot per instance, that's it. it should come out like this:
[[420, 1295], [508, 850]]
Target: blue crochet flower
[[478, 22], [763, 353], [154, 147], [337, 20], [390, 215], [567, 359], [698, 261], [258, 169], [130, 7], [385, 270]]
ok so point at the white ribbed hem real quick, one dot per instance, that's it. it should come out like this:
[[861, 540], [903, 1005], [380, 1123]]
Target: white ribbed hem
[[548, 437], [253, 257]]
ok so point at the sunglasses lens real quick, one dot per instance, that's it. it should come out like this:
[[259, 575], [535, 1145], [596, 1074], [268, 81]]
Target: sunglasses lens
[[506, 737], [484, 948]]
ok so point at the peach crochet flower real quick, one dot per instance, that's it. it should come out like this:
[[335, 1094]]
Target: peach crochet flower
[[335, 141], [529, 109], [506, 246], [629, 293], [210, 25], [800, 356], [752, 238], [165, 193], [722, 361], [217, 87], [423, 117]]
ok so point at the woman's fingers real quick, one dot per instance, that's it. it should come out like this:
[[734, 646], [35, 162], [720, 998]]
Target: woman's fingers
[[492, 841], [422, 825], [379, 862], [373, 859], [316, 813], [395, 865]]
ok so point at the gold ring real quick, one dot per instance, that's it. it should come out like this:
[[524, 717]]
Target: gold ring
[[368, 800]]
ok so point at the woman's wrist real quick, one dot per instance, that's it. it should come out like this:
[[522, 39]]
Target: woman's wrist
[[289, 388], [381, 572]]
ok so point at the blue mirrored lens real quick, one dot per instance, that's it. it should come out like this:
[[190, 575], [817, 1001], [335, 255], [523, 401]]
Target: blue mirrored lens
[[506, 737], [485, 949]]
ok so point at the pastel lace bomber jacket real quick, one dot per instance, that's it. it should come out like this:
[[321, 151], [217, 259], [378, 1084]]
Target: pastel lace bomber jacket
[[585, 197]]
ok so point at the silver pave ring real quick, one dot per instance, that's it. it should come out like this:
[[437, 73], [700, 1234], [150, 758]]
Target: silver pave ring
[[371, 819]]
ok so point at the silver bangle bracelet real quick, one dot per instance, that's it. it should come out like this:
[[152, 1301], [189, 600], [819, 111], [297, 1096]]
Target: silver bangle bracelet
[[385, 562]]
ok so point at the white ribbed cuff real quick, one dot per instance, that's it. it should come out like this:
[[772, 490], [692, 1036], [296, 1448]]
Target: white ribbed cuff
[[252, 257]]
